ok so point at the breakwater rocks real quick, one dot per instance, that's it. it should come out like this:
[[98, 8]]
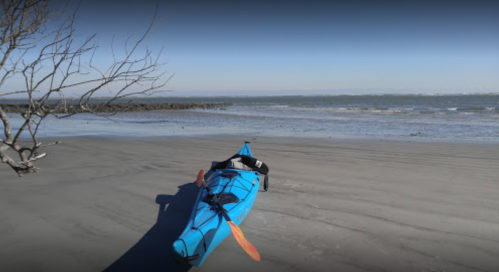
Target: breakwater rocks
[[119, 107]]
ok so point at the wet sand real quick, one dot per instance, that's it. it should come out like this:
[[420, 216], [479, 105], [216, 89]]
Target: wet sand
[[117, 205]]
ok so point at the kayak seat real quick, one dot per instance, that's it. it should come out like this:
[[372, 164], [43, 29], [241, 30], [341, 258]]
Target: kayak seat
[[229, 174], [251, 162]]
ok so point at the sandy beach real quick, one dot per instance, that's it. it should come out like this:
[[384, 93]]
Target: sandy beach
[[101, 204]]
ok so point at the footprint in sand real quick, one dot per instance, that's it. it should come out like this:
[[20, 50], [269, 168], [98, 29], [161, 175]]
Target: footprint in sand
[[318, 252], [315, 254], [290, 184]]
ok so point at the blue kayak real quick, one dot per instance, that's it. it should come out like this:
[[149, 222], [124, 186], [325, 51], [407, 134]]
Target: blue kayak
[[236, 191]]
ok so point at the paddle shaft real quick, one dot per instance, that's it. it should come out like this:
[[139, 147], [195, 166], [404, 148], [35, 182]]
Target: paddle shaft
[[217, 202]]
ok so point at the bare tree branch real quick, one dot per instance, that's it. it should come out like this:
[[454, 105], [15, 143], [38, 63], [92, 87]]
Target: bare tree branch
[[50, 60]]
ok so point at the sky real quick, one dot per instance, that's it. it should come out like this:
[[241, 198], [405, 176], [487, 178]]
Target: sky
[[309, 47]]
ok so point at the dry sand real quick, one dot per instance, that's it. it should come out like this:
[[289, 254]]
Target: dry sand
[[117, 205]]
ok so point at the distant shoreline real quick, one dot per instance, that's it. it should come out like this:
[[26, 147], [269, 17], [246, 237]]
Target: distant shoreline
[[122, 107]]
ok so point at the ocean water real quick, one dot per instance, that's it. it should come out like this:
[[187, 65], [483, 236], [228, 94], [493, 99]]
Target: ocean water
[[466, 117]]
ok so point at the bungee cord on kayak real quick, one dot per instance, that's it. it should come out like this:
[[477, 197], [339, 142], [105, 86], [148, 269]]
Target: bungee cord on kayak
[[210, 207]]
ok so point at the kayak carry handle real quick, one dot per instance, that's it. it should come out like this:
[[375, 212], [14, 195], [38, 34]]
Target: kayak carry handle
[[187, 259]]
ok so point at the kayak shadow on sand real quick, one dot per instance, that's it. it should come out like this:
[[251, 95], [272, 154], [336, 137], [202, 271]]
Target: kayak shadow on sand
[[154, 251]]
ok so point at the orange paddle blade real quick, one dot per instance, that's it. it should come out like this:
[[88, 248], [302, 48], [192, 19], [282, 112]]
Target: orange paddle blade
[[249, 248], [199, 180]]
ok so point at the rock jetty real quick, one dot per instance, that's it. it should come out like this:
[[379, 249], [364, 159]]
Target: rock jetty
[[121, 107]]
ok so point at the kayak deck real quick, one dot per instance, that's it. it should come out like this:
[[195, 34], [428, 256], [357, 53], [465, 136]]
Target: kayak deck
[[207, 228]]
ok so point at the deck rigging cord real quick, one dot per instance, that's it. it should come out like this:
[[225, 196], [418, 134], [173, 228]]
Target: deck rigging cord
[[236, 231]]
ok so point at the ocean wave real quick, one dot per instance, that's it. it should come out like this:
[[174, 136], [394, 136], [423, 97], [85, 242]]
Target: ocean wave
[[145, 121], [384, 110], [286, 111]]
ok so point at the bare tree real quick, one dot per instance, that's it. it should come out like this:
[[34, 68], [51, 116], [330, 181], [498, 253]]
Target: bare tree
[[39, 47]]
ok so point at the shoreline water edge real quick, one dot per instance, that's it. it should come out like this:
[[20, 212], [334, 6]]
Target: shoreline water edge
[[468, 118]]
